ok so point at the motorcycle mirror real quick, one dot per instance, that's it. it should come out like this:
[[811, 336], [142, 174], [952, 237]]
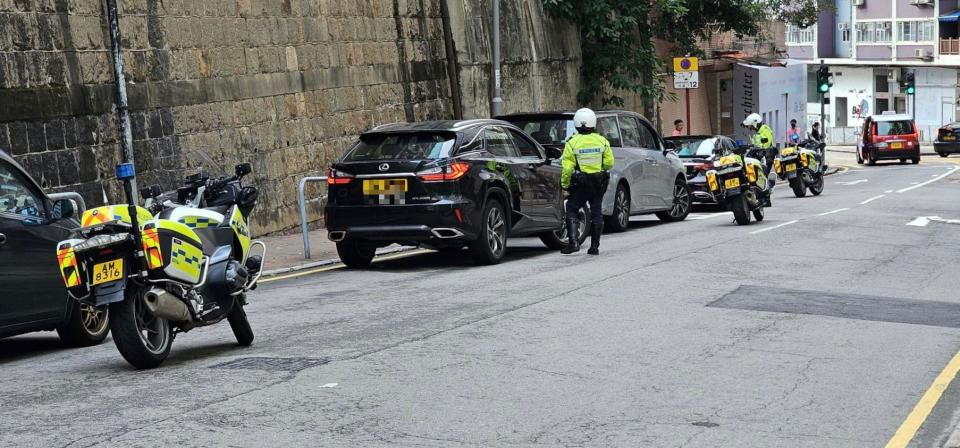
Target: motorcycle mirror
[[243, 169], [151, 191], [63, 209]]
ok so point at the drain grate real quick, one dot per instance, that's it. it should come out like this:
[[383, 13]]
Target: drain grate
[[272, 364], [847, 306]]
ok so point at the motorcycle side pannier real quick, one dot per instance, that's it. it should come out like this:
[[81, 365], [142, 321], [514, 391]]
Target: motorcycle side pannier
[[173, 250]]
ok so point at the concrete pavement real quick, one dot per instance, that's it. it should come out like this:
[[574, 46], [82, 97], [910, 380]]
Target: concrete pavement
[[650, 344]]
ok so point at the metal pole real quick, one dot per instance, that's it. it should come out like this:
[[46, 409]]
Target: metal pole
[[688, 110], [123, 113], [302, 202], [823, 130], [496, 102]]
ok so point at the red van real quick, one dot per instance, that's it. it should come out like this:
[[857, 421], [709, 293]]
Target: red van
[[888, 137]]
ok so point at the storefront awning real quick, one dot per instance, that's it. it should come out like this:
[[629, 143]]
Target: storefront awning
[[951, 17]]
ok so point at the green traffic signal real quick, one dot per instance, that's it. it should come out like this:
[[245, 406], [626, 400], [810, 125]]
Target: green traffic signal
[[910, 90], [824, 88]]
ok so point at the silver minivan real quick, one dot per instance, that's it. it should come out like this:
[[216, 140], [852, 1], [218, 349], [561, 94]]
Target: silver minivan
[[647, 177]]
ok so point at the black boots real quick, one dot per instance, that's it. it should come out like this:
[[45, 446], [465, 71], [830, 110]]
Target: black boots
[[574, 241], [595, 232]]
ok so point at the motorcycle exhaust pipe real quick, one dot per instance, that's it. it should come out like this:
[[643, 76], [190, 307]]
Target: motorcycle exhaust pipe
[[163, 304]]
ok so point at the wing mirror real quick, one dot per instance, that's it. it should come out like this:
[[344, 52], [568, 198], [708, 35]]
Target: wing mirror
[[242, 169], [63, 209], [553, 153], [150, 192], [669, 146]]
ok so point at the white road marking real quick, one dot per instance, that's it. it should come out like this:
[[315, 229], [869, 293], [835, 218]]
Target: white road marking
[[330, 385], [696, 216], [888, 191], [834, 211], [872, 199], [922, 221], [774, 227], [952, 170], [854, 182]]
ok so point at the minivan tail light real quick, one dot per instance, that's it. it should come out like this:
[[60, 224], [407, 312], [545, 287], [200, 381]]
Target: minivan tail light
[[448, 173], [336, 177]]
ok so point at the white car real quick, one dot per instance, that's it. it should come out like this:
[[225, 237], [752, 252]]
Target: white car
[[647, 177]]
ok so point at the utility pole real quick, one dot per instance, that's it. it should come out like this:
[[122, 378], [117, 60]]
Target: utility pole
[[120, 100], [496, 103]]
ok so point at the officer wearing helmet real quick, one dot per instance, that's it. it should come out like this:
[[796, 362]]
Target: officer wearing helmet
[[763, 135], [587, 160]]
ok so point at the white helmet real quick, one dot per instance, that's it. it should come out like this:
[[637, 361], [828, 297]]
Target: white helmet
[[752, 120], [585, 118]]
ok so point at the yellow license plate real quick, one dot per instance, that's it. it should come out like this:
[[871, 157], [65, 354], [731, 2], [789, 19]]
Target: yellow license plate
[[896, 145], [108, 271], [731, 183], [378, 187], [949, 137], [790, 167]]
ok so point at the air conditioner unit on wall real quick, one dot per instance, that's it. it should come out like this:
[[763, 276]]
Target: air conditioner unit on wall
[[843, 26], [921, 2], [923, 53], [859, 2]]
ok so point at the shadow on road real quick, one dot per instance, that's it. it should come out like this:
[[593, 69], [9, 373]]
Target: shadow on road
[[21, 347], [456, 259]]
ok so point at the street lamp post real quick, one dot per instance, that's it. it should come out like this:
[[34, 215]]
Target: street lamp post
[[496, 102], [123, 112]]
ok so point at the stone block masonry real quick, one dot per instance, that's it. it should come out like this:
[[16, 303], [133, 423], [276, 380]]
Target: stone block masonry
[[284, 84]]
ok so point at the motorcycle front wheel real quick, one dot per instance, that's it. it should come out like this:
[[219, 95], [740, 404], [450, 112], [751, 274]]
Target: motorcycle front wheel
[[741, 211], [240, 324], [817, 186], [143, 339]]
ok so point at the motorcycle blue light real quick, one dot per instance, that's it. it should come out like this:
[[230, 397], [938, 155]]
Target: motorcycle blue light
[[125, 171]]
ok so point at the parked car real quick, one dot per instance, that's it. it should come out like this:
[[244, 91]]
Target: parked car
[[32, 295], [647, 177], [698, 153], [888, 137], [948, 139], [443, 185]]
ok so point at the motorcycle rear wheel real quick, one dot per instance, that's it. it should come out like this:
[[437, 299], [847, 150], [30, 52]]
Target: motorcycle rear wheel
[[799, 189], [741, 212], [240, 325], [143, 339]]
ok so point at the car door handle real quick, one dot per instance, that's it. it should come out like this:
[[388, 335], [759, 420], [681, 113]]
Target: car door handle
[[3, 239]]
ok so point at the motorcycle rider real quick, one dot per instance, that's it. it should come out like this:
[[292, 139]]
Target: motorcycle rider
[[762, 138], [587, 161]]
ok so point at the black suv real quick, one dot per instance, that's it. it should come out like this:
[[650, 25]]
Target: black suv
[[32, 295], [443, 185]]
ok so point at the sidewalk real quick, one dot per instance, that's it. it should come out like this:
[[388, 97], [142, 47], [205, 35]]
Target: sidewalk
[[285, 252]]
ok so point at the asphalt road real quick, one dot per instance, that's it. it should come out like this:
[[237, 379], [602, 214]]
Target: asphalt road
[[821, 326]]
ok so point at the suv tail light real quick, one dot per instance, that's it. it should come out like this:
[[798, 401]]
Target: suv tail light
[[336, 177], [448, 173]]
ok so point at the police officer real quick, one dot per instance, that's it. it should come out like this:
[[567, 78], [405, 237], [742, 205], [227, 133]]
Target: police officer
[[763, 139], [587, 160]]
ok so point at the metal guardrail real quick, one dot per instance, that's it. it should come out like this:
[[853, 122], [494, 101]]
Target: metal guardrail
[[302, 201], [81, 205]]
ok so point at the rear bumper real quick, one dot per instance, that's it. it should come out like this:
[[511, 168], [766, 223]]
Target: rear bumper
[[887, 154], [403, 223], [947, 147]]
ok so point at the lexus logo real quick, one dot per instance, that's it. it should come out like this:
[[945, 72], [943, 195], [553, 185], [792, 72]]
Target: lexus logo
[[384, 166]]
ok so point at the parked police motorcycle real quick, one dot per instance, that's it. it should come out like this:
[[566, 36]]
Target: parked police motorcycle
[[739, 181], [801, 165], [181, 261]]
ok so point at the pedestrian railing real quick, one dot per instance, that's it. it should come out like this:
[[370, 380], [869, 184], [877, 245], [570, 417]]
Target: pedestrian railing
[[302, 201]]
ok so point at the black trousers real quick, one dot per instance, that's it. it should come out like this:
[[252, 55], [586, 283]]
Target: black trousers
[[586, 194]]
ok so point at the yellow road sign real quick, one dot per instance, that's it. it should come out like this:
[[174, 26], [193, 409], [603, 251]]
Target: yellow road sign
[[686, 64]]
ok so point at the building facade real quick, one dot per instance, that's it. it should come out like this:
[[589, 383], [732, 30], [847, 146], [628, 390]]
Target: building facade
[[869, 46]]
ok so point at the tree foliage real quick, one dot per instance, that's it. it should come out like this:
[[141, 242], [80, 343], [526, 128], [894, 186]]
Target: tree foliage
[[617, 38], [801, 13]]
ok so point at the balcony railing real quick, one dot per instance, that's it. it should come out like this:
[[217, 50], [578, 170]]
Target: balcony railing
[[950, 46]]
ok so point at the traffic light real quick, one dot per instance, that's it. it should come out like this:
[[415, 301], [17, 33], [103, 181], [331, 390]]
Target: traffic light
[[824, 79], [910, 83]]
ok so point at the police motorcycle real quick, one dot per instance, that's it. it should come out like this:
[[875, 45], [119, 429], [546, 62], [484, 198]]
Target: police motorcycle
[[180, 262], [739, 181], [800, 164]]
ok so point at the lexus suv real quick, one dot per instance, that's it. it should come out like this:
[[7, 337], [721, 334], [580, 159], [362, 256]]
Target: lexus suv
[[32, 295], [443, 185], [647, 176]]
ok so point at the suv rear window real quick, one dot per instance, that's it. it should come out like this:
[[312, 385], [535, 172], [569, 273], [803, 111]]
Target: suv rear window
[[405, 146], [546, 131], [887, 128]]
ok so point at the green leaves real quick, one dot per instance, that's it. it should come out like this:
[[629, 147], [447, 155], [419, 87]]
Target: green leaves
[[617, 39]]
